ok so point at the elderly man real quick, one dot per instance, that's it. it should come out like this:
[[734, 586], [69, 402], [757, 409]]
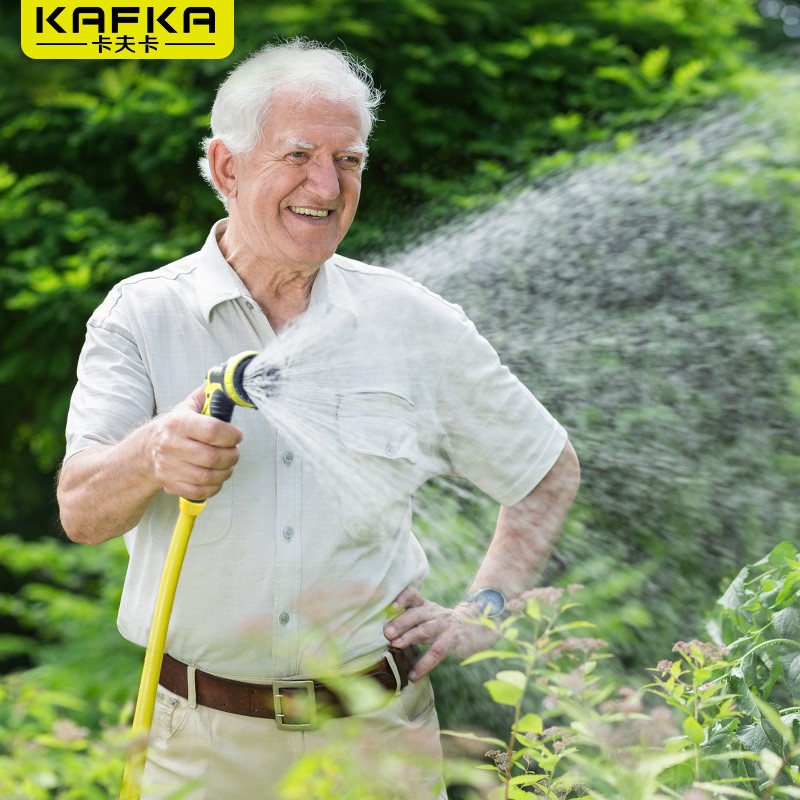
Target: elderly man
[[281, 566]]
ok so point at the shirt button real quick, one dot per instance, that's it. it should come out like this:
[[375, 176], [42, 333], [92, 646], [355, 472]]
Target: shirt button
[[390, 450], [249, 305], [284, 618], [288, 532], [288, 457]]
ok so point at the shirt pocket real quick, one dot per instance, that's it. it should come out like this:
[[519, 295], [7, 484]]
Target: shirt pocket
[[211, 525], [378, 431]]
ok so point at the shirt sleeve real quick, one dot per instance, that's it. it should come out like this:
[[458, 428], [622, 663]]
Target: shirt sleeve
[[113, 394], [496, 433]]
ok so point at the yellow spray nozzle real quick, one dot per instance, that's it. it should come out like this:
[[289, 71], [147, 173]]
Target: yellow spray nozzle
[[224, 388]]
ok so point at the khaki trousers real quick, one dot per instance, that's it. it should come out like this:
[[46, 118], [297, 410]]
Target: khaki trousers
[[393, 753]]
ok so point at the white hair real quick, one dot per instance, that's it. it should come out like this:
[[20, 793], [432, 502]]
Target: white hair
[[311, 70]]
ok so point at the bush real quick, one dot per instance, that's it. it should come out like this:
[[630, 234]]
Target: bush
[[728, 726]]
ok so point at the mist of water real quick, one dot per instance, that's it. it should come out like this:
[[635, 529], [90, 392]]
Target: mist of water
[[294, 384], [626, 295]]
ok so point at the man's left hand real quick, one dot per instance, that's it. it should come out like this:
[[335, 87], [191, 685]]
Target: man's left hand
[[448, 631]]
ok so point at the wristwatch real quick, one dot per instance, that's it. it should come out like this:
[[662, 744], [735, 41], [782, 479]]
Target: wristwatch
[[490, 602]]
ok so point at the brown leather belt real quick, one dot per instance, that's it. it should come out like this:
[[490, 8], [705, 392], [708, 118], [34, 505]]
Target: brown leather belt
[[293, 704]]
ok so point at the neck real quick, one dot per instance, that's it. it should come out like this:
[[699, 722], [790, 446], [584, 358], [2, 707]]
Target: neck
[[283, 291]]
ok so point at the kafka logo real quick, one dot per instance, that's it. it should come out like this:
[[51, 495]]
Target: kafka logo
[[111, 30]]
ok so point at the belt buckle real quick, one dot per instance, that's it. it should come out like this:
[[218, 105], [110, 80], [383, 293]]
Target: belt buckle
[[278, 698]]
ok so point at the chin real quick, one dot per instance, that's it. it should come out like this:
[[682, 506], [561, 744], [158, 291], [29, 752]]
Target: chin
[[319, 255]]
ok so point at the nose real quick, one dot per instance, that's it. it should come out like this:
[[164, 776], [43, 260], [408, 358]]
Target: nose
[[323, 179]]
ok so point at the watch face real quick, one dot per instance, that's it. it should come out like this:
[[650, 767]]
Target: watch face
[[491, 602]]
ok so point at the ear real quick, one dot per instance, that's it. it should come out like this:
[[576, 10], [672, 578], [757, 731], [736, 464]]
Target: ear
[[222, 168]]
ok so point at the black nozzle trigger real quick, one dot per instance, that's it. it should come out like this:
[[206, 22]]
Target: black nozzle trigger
[[220, 406]]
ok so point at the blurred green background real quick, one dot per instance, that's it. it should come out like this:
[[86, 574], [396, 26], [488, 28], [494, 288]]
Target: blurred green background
[[98, 180]]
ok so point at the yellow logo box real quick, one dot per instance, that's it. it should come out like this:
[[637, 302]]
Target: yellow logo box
[[124, 29]]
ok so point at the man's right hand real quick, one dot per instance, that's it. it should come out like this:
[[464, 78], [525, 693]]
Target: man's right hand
[[193, 454], [104, 490]]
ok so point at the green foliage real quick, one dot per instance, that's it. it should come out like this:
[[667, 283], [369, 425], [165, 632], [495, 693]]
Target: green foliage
[[723, 727], [727, 722], [45, 754], [739, 697], [758, 619], [65, 613], [64, 724]]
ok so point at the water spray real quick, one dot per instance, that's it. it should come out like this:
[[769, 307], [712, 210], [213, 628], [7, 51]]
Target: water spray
[[224, 390]]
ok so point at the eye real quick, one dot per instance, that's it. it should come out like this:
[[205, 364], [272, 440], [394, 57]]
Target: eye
[[350, 161], [297, 155]]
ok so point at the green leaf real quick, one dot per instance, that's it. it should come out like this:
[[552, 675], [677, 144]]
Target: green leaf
[[791, 669], [736, 594], [499, 743], [771, 763], [685, 75], [508, 687], [533, 609], [787, 623], [527, 780], [513, 676], [485, 655], [654, 63], [760, 735], [515, 793], [694, 730], [790, 587], [782, 553], [775, 719], [720, 790], [739, 687], [529, 723]]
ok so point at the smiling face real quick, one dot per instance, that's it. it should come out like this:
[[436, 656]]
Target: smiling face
[[293, 198]]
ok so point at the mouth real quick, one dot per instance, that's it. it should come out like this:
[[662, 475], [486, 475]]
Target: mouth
[[316, 213]]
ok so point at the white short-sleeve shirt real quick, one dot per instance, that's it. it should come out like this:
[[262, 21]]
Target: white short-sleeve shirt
[[383, 386]]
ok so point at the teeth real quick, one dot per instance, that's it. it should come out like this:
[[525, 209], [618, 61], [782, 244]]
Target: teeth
[[310, 212]]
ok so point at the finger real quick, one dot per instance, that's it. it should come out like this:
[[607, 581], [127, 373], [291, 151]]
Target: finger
[[190, 481], [183, 422], [439, 650], [193, 492], [209, 430], [196, 400], [411, 618], [175, 448], [434, 622], [179, 462], [409, 598], [211, 457]]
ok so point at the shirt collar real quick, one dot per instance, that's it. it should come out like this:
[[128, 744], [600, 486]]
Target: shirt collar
[[218, 281], [330, 289]]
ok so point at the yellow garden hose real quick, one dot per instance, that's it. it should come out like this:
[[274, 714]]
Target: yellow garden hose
[[145, 701], [223, 390]]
